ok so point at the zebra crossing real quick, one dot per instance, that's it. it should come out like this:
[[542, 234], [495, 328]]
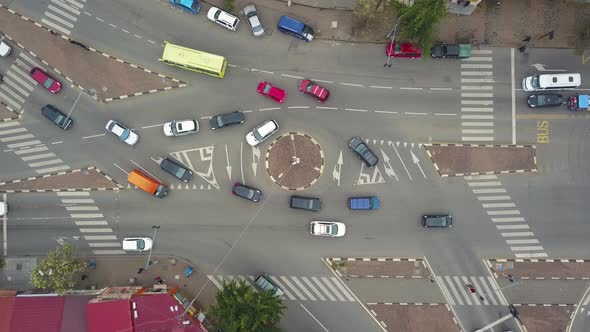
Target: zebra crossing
[[503, 213], [94, 229], [298, 288], [18, 83], [477, 92], [30, 150], [61, 15], [456, 290]]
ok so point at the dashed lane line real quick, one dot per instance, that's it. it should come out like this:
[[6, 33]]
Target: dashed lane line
[[355, 110]]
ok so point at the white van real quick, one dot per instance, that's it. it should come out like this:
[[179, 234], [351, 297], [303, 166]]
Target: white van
[[542, 82], [3, 208], [262, 132]]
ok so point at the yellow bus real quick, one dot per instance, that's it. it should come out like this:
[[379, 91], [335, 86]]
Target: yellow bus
[[189, 59]]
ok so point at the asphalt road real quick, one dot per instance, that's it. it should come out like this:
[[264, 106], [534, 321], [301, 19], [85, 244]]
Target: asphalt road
[[412, 102]]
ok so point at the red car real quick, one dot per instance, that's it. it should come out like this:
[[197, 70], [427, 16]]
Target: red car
[[272, 92], [402, 50], [49, 83], [312, 88]]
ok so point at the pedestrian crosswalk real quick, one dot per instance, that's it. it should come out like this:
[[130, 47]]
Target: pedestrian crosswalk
[[61, 15], [30, 150], [92, 224], [472, 290], [18, 83], [504, 214], [298, 288], [477, 92]]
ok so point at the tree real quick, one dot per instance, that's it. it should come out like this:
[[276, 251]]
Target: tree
[[240, 308], [417, 22], [58, 271], [229, 5]]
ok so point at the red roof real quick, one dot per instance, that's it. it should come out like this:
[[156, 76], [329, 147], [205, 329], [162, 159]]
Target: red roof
[[107, 316], [159, 312], [37, 313]]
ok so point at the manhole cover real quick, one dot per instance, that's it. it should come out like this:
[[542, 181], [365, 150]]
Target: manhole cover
[[295, 161]]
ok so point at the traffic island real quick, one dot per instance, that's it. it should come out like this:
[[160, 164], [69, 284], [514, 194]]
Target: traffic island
[[85, 179], [102, 76], [379, 267], [545, 317], [7, 113], [469, 159], [404, 317], [294, 161]]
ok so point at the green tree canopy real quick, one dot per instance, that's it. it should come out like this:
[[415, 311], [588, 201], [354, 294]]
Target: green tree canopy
[[240, 308], [58, 271], [417, 22]]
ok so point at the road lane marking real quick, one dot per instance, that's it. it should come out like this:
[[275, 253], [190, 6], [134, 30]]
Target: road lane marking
[[445, 290], [477, 58], [322, 81], [312, 316], [30, 150], [297, 77], [477, 109], [92, 136], [52, 169], [96, 230], [73, 193], [315, 290], [326, 108], [477, 102], [355, 110], [38, 156], [476, 73], [327, 282], [156, 125], [494, 198], [508, 219], [99, 237], [517, 234], [137, 36], [513, 96], [407, 88], [502, 212], [82, 208], [441, 89], [531, 255], [293, 288], [477, 87], [477, 131], [298, 107], [86, 215], [415, 113], [109, 252], [285, 289], [307, 292], [513, 227], [477, 80], [498, 205], [476, 116], [388, 112], [352, 84], [119, 167], [484, 184], [338, 283], [16, 138], [323, 288], [525, 241], [480, 177], [215, 282], [269, 109], [92, 223], [475, 66], [531, 248], [46, 163], [476, 95], [446, 114], [104, 244], [380, 87], [477, 124]]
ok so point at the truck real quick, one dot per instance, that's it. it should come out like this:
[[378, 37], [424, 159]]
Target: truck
[[363, 203], [578, 103], [457, 51]]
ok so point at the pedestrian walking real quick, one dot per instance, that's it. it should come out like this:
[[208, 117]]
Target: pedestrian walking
[[84, 277], [140, 270]]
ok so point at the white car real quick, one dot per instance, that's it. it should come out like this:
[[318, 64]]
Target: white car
[[222, 18], [252, 17], [262, 132], [3, 208], [137, 244], [4, 49], [181, 127], [123, 133], [327, 228]]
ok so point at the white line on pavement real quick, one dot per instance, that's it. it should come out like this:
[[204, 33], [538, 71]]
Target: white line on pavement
[[513, 96], [502, 212], [380, 87], [531, 248], [298, 107], [297, 77], [86, 215], [480, 177], [446, 114], [119, 167], [508, 219], [525, 241], [513, 227], [92, 136], [498, 205], [484, 184], [414, 113], [388, 112], [326, 108], [96, 230], [52, 169], [493, 198], [441, 89], [73, 193], [156, 125], [517, 234], [352, 84], [321, 81], [355, 110], [531, 255], [312, 316], [404, 88], [269, 109], [99, 237], [104, 244]]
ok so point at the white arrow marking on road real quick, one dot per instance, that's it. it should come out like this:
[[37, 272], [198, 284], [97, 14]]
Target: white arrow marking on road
[[338, 169], [255, 158], [541, 67], [388, 168], [228, 167], [400, 158], [417, 163]]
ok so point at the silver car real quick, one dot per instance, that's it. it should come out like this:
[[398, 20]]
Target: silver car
[[253, 20]]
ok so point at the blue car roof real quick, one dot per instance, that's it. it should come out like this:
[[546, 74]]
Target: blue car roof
[[583, 101], [187, 3]]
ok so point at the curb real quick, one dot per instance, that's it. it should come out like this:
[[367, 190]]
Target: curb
[[533, 170], [543, 305], [61, 190], [536, 260], [321, 170], [181, 84], [384, 277], [373, 259], [404, 303]]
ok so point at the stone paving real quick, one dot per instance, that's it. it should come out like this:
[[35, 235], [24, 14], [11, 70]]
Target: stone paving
[[80, 179]]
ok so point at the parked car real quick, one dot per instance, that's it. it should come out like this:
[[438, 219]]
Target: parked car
[[265, 284], [137, 244], [5, 49], [222, 18], [327, 228], [305, 203], [363, 203], [362, 150], [545, 100], [44, 79], [191, 6], [244, 191], [295, 28], [450, 51], [56, 116], [226, 120], [313, 89], [437, 220], [3, 209], [262, 132], [402, 50], [272, 92], [181, 127], [123, 133], [176, 169], [253, 20]]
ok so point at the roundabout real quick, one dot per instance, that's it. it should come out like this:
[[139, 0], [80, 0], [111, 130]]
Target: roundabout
[[294, 161]]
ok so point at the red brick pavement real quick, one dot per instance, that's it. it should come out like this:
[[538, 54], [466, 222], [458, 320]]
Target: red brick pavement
[[90, 178], [415, 318]]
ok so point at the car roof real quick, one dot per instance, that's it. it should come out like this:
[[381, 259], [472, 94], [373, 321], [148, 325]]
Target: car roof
[[268, 127]]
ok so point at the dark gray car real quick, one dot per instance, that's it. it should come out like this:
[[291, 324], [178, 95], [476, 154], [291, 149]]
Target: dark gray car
[[437, 220], [57, 117], [176, 169], [362, 150], [244, 191], [226, 120], [305, 203]]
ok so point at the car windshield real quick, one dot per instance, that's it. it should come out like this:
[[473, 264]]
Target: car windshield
[[309, 86], [125, 134], [398, 48], [140, 244], [535, 82], [361, 148], [267, 88], [60, 119], [48, 83], [333, 229], [179, 126], [217, 13], [219, 121], [180, 172], [308, 30]]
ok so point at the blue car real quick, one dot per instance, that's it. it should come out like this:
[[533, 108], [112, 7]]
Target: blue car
[[192, 6]]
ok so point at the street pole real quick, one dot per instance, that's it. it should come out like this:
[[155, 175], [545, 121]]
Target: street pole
[[392, 33], [499, 289], [155, 227]]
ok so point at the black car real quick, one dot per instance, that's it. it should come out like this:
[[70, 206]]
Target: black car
[[226, 120], [545, 100], [441, 221], [176, 169], [57, 117], [246, 192], [362, 150], [305, 203]]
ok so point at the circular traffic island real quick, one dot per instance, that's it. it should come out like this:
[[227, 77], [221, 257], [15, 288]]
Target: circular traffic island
[[294, 161]]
